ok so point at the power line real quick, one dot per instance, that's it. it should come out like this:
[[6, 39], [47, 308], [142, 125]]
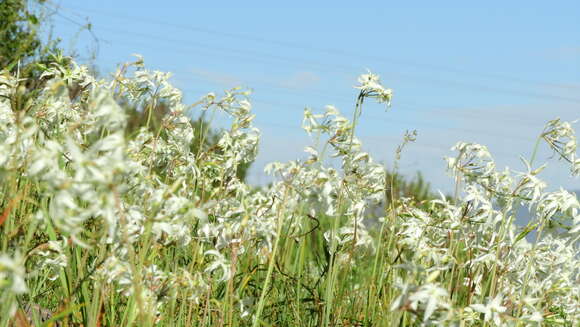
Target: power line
[[404, 104], [287, 89], [369, 139], [252, 55], [378, 140], [391, 121], [333, 51], [395, 120]]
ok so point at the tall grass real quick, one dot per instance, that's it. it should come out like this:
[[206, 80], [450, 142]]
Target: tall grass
[[101, 227]]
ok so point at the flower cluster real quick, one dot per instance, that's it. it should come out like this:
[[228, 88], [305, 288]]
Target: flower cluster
[[371, 87], [562, 139]]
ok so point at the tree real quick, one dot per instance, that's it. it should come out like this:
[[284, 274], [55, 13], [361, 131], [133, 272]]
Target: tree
[[416, 188], [20, 44], [18, 33]]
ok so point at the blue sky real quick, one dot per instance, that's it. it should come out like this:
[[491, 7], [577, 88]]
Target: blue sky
[[490, 72]]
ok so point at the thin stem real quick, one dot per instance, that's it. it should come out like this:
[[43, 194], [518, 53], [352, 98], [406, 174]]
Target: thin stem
[[270, 266], [535, 151]]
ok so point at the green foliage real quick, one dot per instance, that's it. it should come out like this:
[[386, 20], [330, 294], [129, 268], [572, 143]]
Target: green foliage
[[22, 51], [21, 47], [18, 33]]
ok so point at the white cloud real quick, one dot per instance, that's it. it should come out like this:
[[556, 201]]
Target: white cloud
[[223, 79], [564, 53], [301, 80]]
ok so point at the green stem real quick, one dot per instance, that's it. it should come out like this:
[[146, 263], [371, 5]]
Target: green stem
[[535, 151], [270, 269]]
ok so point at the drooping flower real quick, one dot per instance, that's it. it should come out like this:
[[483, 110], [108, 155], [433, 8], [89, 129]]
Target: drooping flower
[[370, 86]]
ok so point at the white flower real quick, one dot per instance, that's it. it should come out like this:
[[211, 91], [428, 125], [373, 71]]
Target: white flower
[[473, 161], [434, 297], [559, 204], [370, 86], [53, 256], [534, 317], [12, 274], [561, 137], [492, 310], [219, 262]]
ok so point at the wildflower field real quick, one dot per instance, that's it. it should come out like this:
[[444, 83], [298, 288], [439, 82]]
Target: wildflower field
[[105, 226]]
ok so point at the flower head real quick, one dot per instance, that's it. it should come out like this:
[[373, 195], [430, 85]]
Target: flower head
[[371, 87]]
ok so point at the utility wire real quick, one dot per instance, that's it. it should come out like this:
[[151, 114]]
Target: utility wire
[[395, 120], [402, 104], [261, 123], [252, 55], [333, 51], [331, 97], [379, 141], [374, 117]]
